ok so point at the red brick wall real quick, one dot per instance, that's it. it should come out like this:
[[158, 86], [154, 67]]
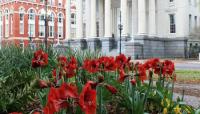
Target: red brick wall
[[16, 18]]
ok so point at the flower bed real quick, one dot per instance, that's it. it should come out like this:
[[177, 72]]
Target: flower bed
[[102, 84]]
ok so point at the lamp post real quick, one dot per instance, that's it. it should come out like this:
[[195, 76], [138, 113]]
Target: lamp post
[[120, 26], [46, 23]]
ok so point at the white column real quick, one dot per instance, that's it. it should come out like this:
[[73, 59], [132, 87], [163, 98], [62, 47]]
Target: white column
[[87, 12], [142, 17], [93, 19], [134, 17], [124, 12], [101, 18], [68, 19], [152, 18], [79, 19], [107, 18]]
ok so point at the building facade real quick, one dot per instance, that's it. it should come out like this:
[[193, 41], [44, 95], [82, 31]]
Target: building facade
[[23, 21], [151, 28]]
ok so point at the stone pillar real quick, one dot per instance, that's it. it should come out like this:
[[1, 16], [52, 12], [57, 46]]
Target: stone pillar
[[93, 19], [101, 18], [68, 19], [107, 19], [79, 19], [134, 17], [152, 18], [124, 12], [142, 17], [87, 12]]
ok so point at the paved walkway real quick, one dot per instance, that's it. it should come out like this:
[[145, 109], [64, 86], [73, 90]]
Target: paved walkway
[[191, 96]]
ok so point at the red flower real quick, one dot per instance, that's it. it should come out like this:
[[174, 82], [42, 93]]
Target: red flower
[[133, 82], [47, 110], [122, 75], [91, 66], [36, 112], [57, 98], [55, 76], [15, 113], [108, 63], [112, 89], [71, 67], [152, 63], [87, 99], [62, 60], [68, 91], [121, 60], [168, 67], [40, 59], [142, 72]]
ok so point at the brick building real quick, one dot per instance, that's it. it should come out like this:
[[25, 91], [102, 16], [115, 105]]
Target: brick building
[[22, 21]]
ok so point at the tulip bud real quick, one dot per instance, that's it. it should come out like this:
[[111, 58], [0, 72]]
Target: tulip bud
[[42, 84], [100, 79], [133, 82], [112, 89]]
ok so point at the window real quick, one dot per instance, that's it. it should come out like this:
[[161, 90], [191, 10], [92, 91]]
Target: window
[[6, 23], [60, 25], [190, 23], [51, 25], [195, 21], [51, 2], [60, 3], [172, 23], [21, 22], [31, 23], [11, 26], [42, 23]]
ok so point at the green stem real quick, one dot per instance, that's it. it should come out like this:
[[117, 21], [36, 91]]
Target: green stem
[[100, 101], [133, 99]]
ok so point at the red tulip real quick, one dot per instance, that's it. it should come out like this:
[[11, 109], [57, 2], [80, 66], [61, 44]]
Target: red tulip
[[40, 59], [133, 82], [57, 97], [87, 98], [70, 69], [121, 60], [142, 72], [168, 67], [108, 63], [36, 112], [15, 113], [62, 60], [91, 66], [122, 75]]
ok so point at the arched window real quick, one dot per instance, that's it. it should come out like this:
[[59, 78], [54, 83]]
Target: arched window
[[21, 22], [60, 25], [60, 3], [42, 23], [6, 23], [51, 24], [31, 23], [1, 24]]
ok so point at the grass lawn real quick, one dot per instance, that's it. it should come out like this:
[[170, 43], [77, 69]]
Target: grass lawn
[[188, 76]]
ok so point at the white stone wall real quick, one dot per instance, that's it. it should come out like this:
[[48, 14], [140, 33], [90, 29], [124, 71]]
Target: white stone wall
[[180, 8]]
